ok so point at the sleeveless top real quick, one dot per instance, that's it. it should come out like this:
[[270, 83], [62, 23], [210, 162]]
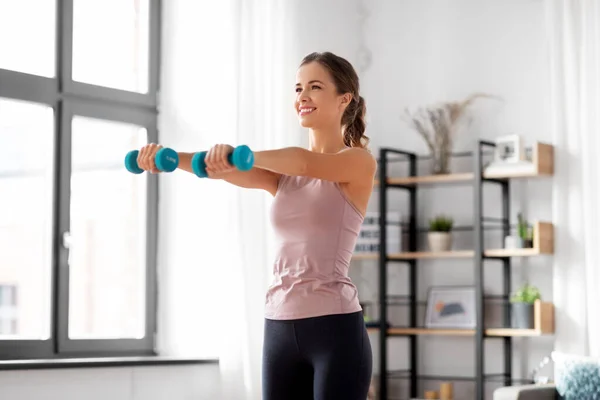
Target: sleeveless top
[[316, 228]]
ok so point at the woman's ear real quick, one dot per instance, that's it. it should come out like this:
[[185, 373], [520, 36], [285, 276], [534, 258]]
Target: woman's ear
[[346, 99]]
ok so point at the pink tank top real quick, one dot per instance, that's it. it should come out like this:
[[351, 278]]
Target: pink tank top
[[316, 227]]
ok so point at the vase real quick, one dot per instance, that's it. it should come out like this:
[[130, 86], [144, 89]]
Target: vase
[[522, 316], [440, 160], [439, 241]]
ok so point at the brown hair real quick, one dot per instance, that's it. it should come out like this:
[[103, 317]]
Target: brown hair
[[346, 81]]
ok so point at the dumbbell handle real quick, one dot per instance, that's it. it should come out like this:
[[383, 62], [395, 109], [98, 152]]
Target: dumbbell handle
[[242, 158], [166, 160]]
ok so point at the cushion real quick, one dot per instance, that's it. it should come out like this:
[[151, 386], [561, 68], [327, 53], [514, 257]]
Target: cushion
[[576, 377]]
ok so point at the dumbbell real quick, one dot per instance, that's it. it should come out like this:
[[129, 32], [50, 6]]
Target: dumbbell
[[241, 157], [166, 160]]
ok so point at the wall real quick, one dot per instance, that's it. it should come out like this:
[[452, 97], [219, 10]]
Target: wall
[[200, 382], [424, 52]]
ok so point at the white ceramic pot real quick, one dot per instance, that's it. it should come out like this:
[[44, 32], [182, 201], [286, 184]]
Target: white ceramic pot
[[513, 242], [439, 241]]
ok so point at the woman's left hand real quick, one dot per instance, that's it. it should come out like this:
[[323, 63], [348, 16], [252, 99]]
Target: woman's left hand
[[216, 159]]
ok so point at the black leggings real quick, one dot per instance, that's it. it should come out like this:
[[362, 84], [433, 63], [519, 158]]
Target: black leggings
[[320, 358]]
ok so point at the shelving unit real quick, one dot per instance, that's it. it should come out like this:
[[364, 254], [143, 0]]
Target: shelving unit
[[542, 166]]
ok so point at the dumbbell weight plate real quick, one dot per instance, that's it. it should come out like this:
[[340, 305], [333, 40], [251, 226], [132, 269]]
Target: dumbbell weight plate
[[198, 164], [167, 160], [131, 162]]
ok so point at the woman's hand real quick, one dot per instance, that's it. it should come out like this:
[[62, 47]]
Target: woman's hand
[[147, 156], [216, 160]]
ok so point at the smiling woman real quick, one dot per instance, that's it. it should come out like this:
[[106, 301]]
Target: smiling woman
[[320, 197], [317, 213]]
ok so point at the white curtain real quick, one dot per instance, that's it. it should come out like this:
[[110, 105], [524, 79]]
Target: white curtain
[[264, 79], [574, 37], [228, 76]]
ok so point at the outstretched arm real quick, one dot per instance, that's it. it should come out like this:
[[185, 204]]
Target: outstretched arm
[[253, 179], [354, 165]]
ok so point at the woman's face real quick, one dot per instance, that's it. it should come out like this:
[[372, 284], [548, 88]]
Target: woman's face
[[317, 102]]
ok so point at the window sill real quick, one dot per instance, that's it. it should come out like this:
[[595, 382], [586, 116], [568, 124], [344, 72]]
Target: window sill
[[102, 362]]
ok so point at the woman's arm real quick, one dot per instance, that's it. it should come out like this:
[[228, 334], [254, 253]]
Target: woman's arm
[[253, 179], [352, 165]]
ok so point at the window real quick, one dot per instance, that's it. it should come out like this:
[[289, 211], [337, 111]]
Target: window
[[108, 232], [26, 173], [28, 39], [9, 317], [125, 43], [77, 232]]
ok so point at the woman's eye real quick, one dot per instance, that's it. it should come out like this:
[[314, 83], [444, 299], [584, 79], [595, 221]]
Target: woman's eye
[[298, 90], [316, 87]]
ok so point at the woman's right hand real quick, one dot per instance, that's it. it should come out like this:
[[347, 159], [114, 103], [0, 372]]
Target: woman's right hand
[[216, 160], [146, 157]]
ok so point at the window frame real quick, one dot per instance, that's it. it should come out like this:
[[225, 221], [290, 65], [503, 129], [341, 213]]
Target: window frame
[[68, 99]]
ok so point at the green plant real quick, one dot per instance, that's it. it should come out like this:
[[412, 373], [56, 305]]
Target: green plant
[[529, 233], [441, 223], [523, 227], [526, 294]]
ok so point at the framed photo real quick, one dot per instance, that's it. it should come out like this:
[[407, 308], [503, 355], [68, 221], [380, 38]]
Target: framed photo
[[509, 149], [451, 307], [368, 238]]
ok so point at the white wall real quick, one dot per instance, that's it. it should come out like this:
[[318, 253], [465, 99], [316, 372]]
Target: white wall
[[424, 52]]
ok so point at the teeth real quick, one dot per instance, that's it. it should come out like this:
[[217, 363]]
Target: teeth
[[306, 110]]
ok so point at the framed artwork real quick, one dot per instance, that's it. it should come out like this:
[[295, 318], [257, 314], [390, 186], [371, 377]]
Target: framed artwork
[[509, 149], [451, 307], [368, 238]]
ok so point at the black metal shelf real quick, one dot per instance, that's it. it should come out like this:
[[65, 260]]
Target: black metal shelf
[[412, 184]]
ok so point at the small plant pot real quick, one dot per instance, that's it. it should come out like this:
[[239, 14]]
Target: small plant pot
[[439, 241], [513, 242], [522, 316]]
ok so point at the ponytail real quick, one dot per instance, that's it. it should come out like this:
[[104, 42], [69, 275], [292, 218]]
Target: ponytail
[[354, 123]]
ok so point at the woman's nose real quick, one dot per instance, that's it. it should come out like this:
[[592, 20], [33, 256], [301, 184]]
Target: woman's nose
[[303, 97]]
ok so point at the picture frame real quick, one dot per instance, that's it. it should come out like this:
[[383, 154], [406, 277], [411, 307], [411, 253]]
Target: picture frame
[[451, 307], [368, 237], [509, 149]]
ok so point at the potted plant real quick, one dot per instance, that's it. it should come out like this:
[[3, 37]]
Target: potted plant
[[524, 236], [440, 236], [525, 231], [522, 306]]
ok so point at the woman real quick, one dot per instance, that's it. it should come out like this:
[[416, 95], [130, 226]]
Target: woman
[[315, 341]]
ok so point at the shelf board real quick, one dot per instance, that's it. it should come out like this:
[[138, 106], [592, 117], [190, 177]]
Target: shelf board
[[543, 325], [543, 243], [507, 332], [542, 165], [432, 331], [428, 179], [452, 254], [458, 177], [512, 252], [495, 332], [431, 254], [365, 256]]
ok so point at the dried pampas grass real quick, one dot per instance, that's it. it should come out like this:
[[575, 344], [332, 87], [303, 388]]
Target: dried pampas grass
[[438, 126]]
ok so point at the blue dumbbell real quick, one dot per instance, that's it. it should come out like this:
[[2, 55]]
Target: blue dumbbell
[[166, 160], [242, 158]]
